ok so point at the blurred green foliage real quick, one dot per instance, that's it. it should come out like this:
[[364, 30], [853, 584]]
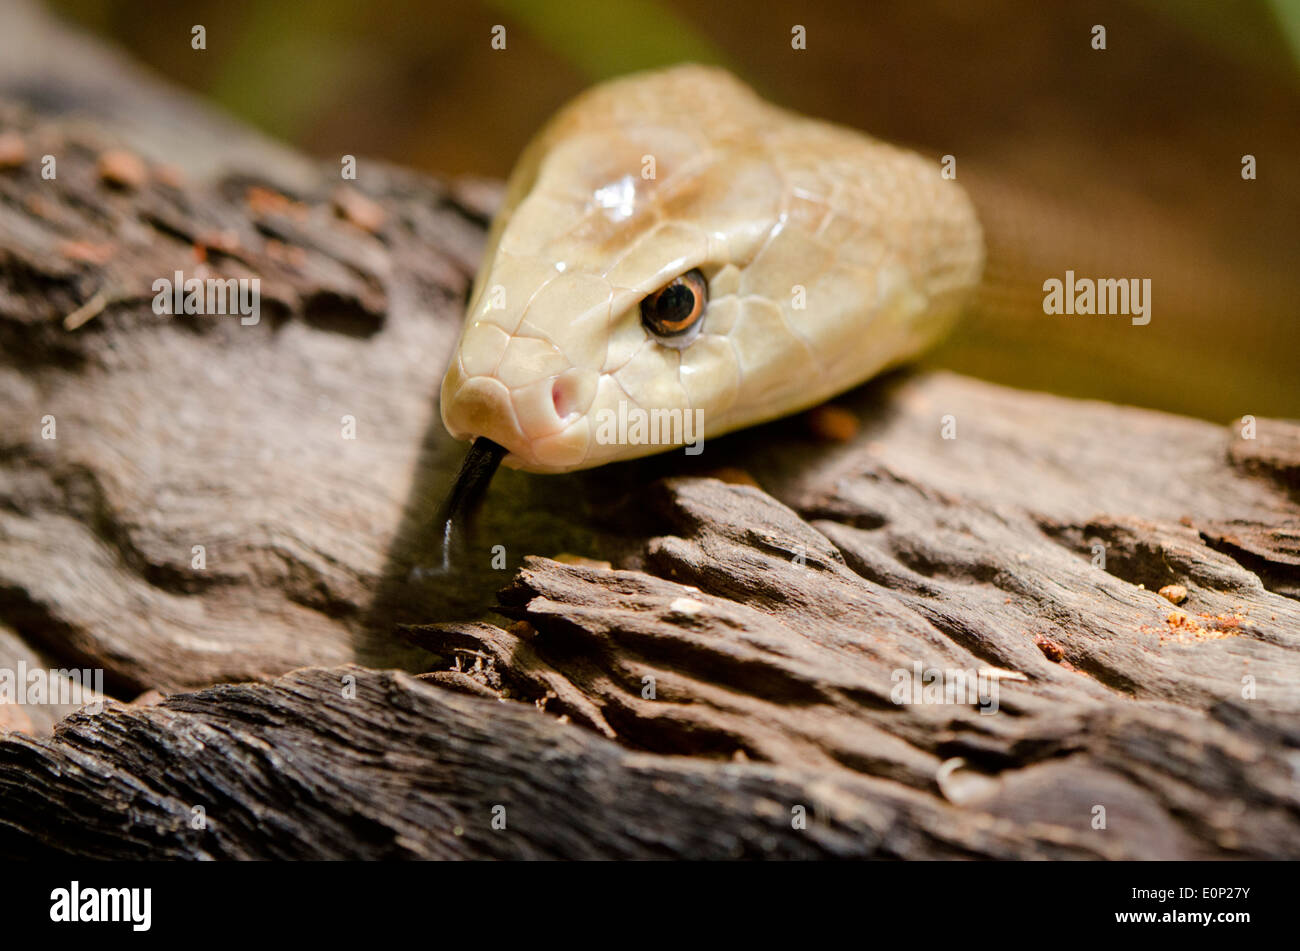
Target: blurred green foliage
[[651, 34], [1288, 17]]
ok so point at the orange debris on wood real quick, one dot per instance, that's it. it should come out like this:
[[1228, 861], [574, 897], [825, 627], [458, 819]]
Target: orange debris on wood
[[359, 210], [566, 558], [224, 242], [1185, 629], [732, 475], [1052, 650], [13, 150], [262, 200], [832, 423], [86, 252], [1174, 592], [121, 169]]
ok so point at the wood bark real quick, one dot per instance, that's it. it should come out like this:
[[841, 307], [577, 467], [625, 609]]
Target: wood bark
[[726, 687]]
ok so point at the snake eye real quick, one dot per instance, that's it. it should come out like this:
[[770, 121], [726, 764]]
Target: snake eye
[[673, 311]]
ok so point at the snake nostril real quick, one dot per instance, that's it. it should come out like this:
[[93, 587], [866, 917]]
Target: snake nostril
[[562, 398], [571, 394]]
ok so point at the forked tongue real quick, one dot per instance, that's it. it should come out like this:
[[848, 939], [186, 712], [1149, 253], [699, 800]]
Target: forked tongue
[[466, 494]]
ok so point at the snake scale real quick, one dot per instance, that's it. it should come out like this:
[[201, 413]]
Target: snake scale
[[671, 242]]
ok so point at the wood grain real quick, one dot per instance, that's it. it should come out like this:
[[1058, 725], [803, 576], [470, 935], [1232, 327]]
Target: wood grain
[[738, 660]]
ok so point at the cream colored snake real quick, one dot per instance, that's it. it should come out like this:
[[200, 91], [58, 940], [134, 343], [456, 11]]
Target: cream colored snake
[[671, 242]]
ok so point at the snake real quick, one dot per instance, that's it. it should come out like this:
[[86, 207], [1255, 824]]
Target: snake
[[670, 244]]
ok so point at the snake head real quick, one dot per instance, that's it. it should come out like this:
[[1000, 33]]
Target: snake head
[[823, 257]]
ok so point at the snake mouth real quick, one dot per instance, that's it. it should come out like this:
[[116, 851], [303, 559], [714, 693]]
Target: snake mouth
[[541, 425]]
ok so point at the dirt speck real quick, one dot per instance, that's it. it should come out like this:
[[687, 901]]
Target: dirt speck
[[1174, 593], [13, 150], [1052, 650], [832, 423], [121, 169], [355, 207], [582, 561], [732, 476]]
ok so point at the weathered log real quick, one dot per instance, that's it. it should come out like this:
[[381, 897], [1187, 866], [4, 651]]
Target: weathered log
[[403, 770], [740, 660]]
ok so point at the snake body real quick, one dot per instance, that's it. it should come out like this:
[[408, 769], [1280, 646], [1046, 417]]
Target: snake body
[[829, 256]]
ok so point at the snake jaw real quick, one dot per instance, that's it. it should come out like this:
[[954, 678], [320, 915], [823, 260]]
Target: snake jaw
[[542, 425]]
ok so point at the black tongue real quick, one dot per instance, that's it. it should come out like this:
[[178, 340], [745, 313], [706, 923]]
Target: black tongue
[[458, 508]]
